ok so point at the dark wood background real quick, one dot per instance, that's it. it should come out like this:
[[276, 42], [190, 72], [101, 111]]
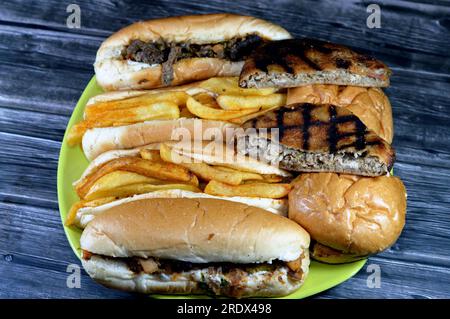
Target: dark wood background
[[45, 66]]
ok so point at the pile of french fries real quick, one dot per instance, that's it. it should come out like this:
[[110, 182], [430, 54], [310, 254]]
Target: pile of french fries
[[164, 169], [216, 99]]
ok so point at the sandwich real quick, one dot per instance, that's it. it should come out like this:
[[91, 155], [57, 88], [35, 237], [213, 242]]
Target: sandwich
[[130, 119], [171, 51], [317, 138], [348, 217], [195, 246], [369, 104], [297, 62], [177, 170]]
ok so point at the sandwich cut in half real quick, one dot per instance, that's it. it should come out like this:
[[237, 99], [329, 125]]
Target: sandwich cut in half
[[317, 138], [176, 50], [196, 246], [297, 62], [164, 170]]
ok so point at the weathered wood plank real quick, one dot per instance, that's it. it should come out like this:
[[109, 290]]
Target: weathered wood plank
[[398, 280], [40, 125], [403, 40], [45, 66]]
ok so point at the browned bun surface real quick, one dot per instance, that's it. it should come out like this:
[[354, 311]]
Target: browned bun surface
[[115, 73], [355, 215], [370, 105], [197, 230]]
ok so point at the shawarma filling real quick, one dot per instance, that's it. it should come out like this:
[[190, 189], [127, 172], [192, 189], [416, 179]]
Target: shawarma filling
[[226, 279], [167, 53]]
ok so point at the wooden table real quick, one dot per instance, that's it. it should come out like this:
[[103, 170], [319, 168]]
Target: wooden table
[[45, 66]]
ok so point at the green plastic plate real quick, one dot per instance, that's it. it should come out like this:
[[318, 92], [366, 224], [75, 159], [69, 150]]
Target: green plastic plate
[[72, 163]]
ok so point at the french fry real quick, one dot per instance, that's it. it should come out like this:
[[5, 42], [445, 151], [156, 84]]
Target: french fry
[[229, 85], [184, 112], [158, 170], [265, 190], [202, 170], [177, 97], [241, 120], [214, 153], [134, 189], [207, 100], [151, 155], [118, 179], [210, 113], [272, 178], [84, 203], [239, 102], [156, 111], [244, 175]]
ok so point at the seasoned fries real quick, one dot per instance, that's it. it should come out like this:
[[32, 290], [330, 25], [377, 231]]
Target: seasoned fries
[[229, 85], [256, 189], [177, 97], [207, 100], [134, 189], [151, 155], [85, 203], [156, 111], [210, 113], [241, 120], [158, 170], [240, 102], [118, 179], [202, 170]]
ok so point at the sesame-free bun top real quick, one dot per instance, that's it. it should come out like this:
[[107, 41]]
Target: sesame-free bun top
[[356, 215], [195, 230], [198, 29], [369, 104], [115, 73]]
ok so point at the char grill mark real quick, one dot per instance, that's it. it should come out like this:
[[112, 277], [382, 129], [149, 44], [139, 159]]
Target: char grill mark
[[273, 53], [281, 56], [332, 132], [306, 113], [300, 127], [342, 64], [262, 61]]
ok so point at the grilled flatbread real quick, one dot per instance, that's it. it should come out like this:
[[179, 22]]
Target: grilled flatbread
[[296, 62], [316, 138]]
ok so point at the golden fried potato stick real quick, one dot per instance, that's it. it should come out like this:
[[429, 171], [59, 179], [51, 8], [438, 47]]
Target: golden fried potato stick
[[257, 189], [157, 111], [239, 102], [159, 170]]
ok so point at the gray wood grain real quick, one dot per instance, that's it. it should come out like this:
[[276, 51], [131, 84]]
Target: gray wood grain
[[45, 67]]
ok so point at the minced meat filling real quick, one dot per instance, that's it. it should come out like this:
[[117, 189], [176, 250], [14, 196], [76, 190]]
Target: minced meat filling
[[158, 52]]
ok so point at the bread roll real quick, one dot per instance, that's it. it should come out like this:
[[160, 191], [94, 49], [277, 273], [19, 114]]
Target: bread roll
[[194, 230], [87, 214], [355, 215], [370, 105], [99, 140], [116, 73]]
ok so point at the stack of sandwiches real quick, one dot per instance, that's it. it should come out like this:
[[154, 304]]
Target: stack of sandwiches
[[224, 152]]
